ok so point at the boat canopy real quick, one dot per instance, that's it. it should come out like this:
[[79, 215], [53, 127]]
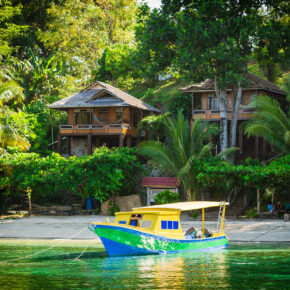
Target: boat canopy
[[183, 206]]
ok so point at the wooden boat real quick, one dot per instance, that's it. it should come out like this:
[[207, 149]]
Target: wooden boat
[[157, 230]]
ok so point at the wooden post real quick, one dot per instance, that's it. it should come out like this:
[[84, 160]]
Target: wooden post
[[68, 145], [121, 140], [148, 196], [128, 141], [258, 200], [59, 144], [89, 144], [51, 124], [223, 219], [202, 235]]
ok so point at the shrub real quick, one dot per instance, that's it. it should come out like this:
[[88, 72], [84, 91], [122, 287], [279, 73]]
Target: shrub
[[100, 175], [251, 214], [166, 196]]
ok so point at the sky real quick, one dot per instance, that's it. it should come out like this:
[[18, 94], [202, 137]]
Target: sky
[[153, 3]]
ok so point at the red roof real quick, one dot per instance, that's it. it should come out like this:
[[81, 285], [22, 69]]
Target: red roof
[[160, 181]]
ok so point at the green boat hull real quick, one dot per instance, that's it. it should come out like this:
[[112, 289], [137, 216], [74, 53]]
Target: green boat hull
[[122, 241]]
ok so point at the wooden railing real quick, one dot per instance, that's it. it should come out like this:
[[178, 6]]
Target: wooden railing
[[95, 126]]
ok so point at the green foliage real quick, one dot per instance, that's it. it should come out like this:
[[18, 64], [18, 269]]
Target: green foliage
[[223, 176], [155, 125], [195, 214], [184, 146], [166, 196], [270, 122], [115, 66], [79, 31], [251, 213], [181, 102], [113, 208], [100, 175]]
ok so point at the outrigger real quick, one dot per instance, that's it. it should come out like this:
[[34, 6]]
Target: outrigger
[[157, 230]]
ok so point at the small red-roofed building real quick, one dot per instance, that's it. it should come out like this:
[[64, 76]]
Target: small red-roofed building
[[155, 185]]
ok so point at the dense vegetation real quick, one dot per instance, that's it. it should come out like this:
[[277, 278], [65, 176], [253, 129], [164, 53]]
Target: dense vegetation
[[51, 49]]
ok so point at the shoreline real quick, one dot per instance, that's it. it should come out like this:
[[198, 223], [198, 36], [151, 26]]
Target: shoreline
[[74, 228]]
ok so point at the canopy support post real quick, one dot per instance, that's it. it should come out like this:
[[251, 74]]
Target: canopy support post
[[223, 219], [202, 235]]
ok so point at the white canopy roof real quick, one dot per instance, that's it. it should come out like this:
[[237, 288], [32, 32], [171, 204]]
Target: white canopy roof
[[183, 206]]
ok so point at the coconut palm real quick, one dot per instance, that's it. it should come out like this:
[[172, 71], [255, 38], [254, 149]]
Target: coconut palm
[[183, 147], [270, 123]]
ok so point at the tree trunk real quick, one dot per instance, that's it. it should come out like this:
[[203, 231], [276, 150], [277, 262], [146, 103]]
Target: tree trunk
[[236, 102], [29, 206], [223, 120], [258, 200], [272, 197], [223, 100]]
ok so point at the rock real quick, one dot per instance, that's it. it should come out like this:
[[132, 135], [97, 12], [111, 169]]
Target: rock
[[125, 203]]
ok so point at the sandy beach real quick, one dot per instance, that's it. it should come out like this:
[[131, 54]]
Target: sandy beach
[[75, 228]]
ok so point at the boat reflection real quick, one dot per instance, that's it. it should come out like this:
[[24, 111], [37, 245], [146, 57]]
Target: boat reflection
[[181, 270]]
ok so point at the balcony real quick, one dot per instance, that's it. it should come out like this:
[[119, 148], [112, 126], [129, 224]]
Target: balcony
[[113, 128], [244, 114]]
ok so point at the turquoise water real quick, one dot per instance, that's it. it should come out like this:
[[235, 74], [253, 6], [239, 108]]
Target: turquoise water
[[241, 266]]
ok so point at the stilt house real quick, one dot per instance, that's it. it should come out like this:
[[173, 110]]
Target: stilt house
[[205, 105], [100, 115]]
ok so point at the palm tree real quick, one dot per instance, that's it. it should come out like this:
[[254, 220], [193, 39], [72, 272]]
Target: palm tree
[[270, 123], [9, 134], [183, 147]]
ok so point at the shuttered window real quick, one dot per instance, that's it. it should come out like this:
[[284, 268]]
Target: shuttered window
[[213, 102]]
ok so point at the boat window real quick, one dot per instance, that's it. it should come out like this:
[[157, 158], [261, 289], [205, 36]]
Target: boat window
[[169, 225], [163, 225], [136, 220], [122, 222], [146, 224]]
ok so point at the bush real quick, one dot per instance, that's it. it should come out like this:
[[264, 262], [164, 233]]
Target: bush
[[166, 196], [251, 214], [100, 175]]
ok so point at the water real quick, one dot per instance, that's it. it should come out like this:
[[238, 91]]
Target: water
[[241, 266]]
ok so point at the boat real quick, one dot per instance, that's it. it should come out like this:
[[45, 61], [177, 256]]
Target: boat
[[157, 230]]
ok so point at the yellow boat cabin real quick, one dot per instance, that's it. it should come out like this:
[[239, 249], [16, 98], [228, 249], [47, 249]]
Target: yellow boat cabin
[[165, 219]]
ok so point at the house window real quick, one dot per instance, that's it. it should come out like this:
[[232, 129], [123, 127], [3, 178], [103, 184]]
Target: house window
[[83, 116], [196, 99], [104, 115], [213, 102], [119, 115]]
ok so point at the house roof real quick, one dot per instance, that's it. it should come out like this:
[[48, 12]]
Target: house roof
[[100, 94], [255, 82], [160, 181]]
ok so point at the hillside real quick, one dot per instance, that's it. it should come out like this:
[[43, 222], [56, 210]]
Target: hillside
[[160, 95]]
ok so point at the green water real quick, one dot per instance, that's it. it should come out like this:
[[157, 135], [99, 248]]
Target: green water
[[241, 266]]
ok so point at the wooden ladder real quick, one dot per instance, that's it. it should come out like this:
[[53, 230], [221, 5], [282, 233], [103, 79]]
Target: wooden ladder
[[221, 216]]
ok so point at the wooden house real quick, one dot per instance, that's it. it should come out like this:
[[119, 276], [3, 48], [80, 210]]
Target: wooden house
[[205, 105], [100, 115]]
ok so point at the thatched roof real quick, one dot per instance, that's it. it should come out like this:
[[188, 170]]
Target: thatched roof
[[100, 94], [254, 83]]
